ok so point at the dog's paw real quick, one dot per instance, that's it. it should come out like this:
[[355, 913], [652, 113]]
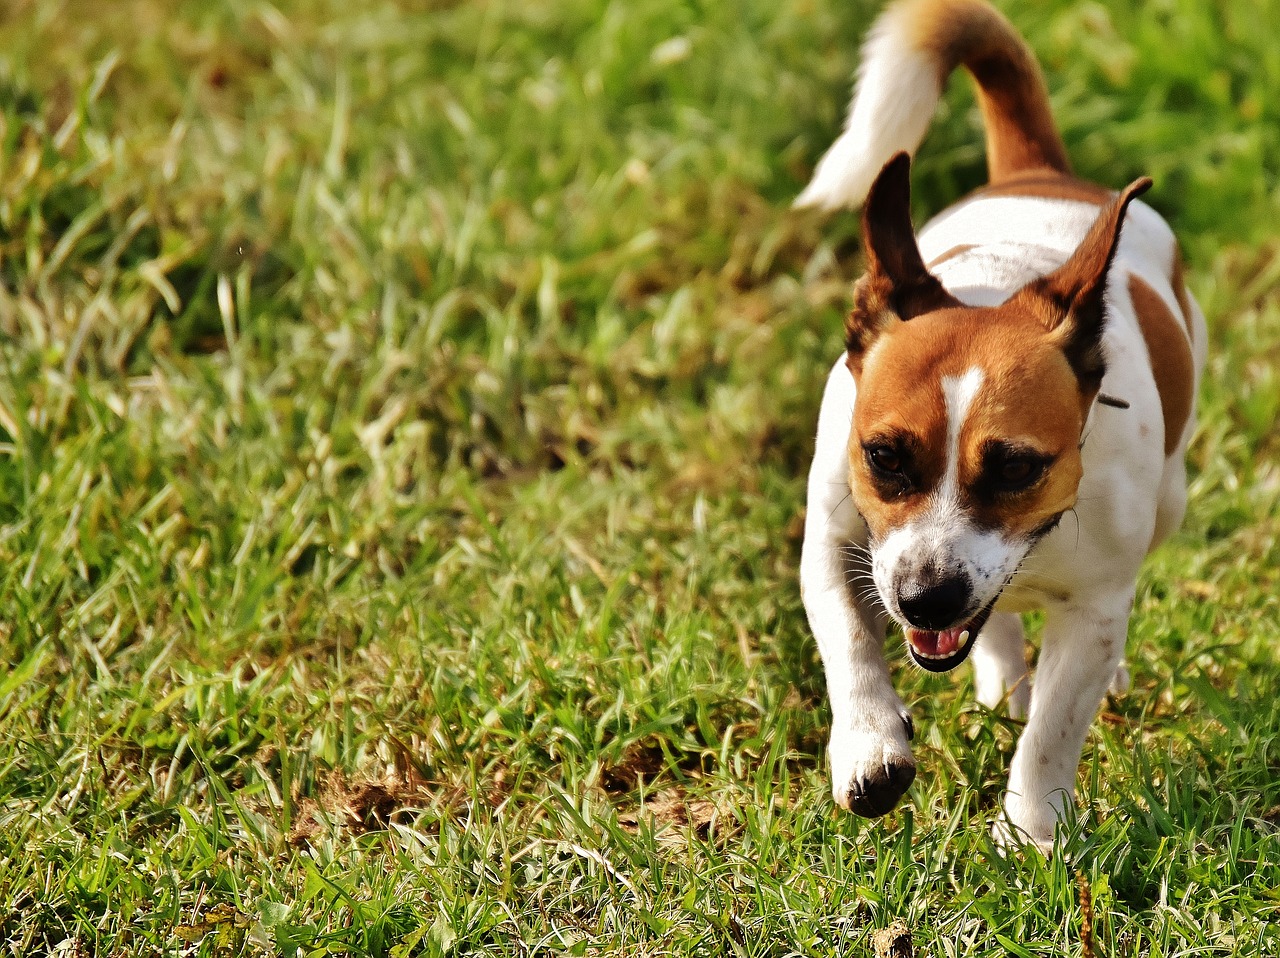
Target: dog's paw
[[872, 768], [875, 791]]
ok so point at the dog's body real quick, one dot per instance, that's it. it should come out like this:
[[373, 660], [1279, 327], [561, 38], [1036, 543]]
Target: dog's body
[[950, 445]]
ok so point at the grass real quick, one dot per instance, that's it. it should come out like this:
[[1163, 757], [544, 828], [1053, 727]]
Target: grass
[[404, 411]]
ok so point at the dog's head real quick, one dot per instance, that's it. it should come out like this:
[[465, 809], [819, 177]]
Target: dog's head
[[965, 446]]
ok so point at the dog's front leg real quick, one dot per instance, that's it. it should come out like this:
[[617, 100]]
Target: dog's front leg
[[1082, 647], [870, 751]]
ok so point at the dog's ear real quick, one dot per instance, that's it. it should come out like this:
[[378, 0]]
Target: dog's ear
[[1070, 299], [896, 286]]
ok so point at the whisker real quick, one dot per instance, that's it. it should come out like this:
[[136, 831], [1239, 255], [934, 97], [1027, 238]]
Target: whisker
[[847, 497], [1043, 577], [865, 585], [863, 591], [860, 552], [854, 544], [860, 569], [868, 591], [859, 575]]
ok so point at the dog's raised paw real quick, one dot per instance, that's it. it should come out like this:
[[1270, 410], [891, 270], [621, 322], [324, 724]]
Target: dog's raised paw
[[878, 790]]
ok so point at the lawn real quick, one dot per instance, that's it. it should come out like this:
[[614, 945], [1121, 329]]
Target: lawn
[[404, 413]]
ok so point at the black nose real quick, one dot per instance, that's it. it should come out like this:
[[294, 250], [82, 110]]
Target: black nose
[[935, 605]]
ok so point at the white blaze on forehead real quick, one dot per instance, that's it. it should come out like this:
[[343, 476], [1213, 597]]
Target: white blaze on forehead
[[943, 535], [958, 392]]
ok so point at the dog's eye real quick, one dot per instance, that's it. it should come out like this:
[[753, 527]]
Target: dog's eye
[[1015, 472], [885, 460], [1018, 472], [1009, 468]]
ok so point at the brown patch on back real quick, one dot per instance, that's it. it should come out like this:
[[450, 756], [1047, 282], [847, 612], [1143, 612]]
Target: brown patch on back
[[1047, 184], [1179, 282], [1171, 360], [951, 254], [1021, 134]]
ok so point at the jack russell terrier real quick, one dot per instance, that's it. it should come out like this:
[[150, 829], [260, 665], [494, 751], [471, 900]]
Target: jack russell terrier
[[1034, 352]]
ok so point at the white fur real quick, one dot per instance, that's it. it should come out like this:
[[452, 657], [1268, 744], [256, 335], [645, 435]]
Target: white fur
[[1130, 497], [895, 97], [958, 393], [1000, 665]]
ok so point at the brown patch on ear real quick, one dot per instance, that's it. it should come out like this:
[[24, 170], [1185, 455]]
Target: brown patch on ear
[[870, 316], [897, 285], [1171, 360], [1069, 300]]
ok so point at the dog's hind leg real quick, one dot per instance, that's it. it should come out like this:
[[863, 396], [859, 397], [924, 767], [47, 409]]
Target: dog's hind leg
[[1000, 664]]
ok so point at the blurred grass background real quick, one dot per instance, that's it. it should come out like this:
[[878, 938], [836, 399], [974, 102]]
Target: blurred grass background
[[404, 410]]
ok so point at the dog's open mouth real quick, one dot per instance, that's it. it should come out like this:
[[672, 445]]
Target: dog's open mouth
[[943, 651]]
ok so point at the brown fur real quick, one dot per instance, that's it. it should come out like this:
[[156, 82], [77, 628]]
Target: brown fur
[[1048, 184], [897, 286], [1021, 134], [1029, 395], [1171, 359], [951, 254], [1038, 403]]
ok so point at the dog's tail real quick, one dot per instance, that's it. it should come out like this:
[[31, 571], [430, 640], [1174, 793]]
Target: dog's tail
[[907, 57]]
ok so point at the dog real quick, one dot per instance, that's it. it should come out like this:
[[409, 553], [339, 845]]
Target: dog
[[1007, 426]]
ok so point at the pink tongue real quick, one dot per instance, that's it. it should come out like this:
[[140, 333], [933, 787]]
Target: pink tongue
[[936, 643]]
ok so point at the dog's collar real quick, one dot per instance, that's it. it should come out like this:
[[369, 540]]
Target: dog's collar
[[1102, 399]]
